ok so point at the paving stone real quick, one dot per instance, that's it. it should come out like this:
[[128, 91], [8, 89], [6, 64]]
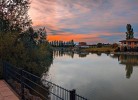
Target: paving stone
[[6, 93], [11, 97], [2, 84], [1, 98], [4, 89]]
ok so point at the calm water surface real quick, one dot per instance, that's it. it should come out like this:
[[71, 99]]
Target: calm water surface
[[97, 76]]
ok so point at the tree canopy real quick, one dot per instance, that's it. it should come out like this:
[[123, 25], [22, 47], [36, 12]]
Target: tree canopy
[[20, 44], [14, 15]]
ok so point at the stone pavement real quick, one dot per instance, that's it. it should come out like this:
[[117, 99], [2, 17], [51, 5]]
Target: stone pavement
[[6, 93]]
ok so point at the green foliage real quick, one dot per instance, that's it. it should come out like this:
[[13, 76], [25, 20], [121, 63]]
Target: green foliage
[[129, 33], [101, 50], [21, 50], [114, 45], [99, 45], [35, 59], [14, 15]]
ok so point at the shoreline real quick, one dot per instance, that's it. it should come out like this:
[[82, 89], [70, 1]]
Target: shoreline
[[98, 50], [125, 53]]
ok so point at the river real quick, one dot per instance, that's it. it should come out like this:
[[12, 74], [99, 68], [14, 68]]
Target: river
[[96, 76]]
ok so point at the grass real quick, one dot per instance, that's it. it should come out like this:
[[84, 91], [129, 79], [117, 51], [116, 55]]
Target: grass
[[102, 49]]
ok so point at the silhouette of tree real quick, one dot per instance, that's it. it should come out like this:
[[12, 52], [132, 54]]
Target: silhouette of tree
[[114, 45], [99, 45], [72, 43]]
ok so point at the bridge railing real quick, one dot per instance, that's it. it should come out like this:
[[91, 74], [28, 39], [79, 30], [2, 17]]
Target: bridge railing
[[31, 87]]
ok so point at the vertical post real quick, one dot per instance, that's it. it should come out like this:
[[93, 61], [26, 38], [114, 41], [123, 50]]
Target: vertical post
[[3, 73], [22, 85], [72, 94]]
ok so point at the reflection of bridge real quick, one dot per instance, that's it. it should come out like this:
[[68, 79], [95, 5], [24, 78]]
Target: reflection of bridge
[[129, 60]]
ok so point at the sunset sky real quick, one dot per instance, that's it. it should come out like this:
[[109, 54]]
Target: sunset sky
[[90, 21]]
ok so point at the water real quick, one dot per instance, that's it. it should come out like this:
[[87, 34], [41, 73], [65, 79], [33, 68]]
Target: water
[[97, 76]]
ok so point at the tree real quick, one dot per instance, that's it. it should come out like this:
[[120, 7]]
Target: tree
[[25, 53], [14, 15], [72, 43], [129, 33], [99, 45], [114, 45], [17, 38]]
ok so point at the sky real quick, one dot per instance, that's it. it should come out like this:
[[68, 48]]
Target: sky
[[90, 21]]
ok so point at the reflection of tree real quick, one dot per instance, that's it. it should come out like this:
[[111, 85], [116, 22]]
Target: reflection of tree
[[60, 53], [129, 60], [98, 54], [129, 70], [83, 54], [70, 53], [114, 56], [107, 54]]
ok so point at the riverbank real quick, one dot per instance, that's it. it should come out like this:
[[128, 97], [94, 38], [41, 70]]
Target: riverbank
[[101, 50]]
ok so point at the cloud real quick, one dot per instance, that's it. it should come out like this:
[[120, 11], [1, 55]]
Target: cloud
[[104, 37], [84, 17]]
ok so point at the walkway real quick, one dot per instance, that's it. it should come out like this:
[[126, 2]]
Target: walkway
[[6, 93]]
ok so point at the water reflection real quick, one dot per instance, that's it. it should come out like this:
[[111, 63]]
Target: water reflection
[[129, 61], [99, 54], [60, 53], [96, 76]]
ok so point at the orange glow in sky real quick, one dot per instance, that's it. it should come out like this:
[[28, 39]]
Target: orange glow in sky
[[85, 20]]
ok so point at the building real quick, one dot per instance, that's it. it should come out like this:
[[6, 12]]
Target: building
[[130, 44], [82, 45]]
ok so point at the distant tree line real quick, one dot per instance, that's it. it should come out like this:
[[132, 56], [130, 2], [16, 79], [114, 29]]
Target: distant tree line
[[62, 43], [99, 45], [114, 45]]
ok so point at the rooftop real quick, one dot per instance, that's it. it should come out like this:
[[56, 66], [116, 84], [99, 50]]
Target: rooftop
[[130, 40]]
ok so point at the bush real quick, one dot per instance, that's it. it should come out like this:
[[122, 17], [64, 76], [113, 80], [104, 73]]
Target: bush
[[33, 58], [99, 45]]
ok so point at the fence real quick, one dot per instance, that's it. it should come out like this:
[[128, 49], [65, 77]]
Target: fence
[[32, 87]]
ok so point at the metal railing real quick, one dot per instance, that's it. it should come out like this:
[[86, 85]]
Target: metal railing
[[32, 87]]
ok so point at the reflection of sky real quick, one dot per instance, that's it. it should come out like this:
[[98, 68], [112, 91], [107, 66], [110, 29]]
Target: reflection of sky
[[95, 77], [85, 20]]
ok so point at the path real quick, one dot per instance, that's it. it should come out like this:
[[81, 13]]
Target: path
[[6, 93]]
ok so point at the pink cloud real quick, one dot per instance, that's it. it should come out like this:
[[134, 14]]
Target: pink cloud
[[83, 19], [90, 37]]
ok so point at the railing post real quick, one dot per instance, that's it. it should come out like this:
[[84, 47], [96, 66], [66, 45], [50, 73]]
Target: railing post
[[72, 94], [22, 85], [3, 73]]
